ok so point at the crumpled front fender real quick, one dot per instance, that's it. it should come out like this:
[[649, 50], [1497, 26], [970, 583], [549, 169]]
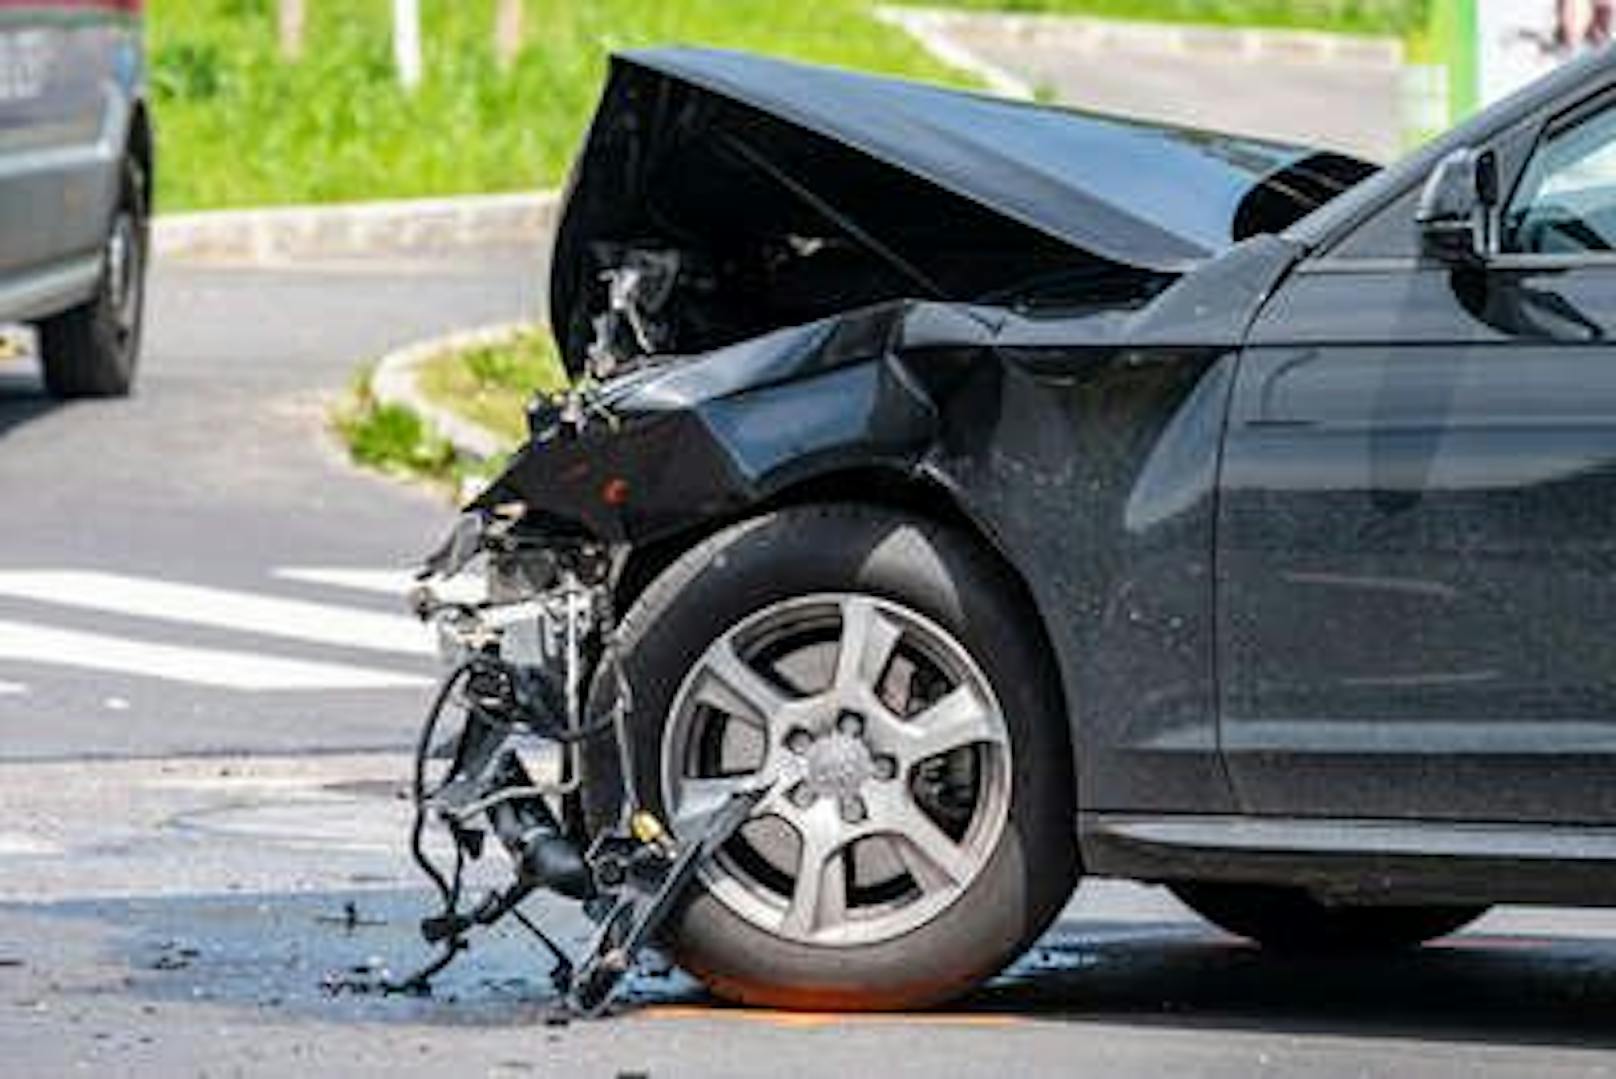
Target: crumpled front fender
[[696, 439]]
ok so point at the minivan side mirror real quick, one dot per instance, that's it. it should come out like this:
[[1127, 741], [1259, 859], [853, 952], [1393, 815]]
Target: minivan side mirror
[[1456, 208]]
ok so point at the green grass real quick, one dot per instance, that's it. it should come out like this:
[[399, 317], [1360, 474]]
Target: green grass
[[240, 127], [389, 437], [1393, 17], [489, 386], [492, 386]]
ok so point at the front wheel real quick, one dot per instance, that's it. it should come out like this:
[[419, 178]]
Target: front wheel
[[1291, 920], [877, 670]]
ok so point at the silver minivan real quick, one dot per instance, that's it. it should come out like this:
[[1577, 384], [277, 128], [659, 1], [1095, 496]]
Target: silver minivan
[[76, 159]]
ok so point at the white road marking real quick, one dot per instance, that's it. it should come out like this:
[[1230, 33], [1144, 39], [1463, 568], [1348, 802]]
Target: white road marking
[[14, 843], [467, 588], [12, 689], [386, 582], [203, 666], [219, 608]]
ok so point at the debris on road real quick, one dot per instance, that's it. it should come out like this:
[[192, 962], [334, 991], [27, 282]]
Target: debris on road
[[350, 919], [174, 956]]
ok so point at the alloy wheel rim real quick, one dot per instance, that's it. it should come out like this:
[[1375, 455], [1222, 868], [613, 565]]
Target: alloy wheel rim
[[888, 759], [123, 277]]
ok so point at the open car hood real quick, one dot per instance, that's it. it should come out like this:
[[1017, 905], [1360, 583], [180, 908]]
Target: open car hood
[[783, 192]]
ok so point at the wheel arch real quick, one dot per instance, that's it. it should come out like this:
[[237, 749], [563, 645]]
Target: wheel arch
[[818, 533], [903, 491]]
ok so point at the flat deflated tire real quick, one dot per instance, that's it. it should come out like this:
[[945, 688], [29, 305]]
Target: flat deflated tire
[[880, 672]]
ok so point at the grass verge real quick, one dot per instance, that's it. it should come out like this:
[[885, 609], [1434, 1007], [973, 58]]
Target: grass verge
[[491, 386], [239, 126], [488, 385], [395, 440]]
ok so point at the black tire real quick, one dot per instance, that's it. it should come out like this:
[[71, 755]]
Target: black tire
[[92, 350], [1293, 921], [935, 571]]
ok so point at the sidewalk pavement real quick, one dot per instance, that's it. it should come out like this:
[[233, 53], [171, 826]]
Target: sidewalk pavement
[[1344, 92], [399, 227]]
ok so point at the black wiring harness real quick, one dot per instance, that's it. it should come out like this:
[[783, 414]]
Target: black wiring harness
[[630, 879]]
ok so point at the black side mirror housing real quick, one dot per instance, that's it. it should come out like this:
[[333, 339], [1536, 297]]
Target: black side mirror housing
[[1455, 215]]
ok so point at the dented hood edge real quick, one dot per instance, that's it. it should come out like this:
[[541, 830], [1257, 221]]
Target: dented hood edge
[[1134, 193]]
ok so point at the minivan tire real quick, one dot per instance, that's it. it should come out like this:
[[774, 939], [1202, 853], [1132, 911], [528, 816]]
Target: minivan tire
[[92, 350]]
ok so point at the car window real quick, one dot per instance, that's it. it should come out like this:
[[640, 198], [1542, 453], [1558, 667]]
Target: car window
[[1566, 201]]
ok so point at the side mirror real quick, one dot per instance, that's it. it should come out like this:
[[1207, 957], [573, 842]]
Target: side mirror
[[1456, 208]]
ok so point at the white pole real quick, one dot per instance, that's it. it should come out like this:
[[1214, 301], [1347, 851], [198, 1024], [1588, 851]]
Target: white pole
[[291, 28], [507, 33], [407, 41]]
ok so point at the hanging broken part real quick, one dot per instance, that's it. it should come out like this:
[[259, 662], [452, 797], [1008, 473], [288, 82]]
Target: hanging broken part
[[520, 657]]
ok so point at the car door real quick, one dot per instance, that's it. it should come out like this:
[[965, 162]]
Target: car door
[[1417, 523]]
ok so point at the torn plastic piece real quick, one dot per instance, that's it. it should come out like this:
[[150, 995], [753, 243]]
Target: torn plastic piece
[[645, 901]]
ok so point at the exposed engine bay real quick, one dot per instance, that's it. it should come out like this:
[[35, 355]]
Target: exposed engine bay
[[720, 196]]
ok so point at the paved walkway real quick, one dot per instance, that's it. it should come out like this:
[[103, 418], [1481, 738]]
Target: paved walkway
[[1320, 89]]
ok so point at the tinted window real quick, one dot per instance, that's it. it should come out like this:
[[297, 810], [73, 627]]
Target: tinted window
[[1566, 201]]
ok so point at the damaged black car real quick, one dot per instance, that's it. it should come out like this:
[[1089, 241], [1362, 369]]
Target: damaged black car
[[961, 496]]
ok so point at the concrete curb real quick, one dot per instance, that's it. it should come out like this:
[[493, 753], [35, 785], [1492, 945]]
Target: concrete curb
[[394, 383], [1082, 34], [401, 227]]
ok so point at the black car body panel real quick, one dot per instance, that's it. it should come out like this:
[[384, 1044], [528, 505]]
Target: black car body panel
[[1095, 431], [1316, 529]]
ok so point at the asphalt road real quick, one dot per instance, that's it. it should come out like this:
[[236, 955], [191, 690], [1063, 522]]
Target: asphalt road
[[200, 767], [219, 475], [1348, 104]]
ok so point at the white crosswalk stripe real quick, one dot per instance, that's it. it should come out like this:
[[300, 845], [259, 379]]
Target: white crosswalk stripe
[[386, 582], [201, 666], [219, 608], [467, 587], [217, 625], [15, 843]]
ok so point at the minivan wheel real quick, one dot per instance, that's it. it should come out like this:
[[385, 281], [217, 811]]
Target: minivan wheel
[[1291, 920], [877, 669], [91, 350]]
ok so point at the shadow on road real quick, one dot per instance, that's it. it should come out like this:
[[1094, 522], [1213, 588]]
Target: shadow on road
[[273, 952], [1497, 989], [305, 956], [22, 398]]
